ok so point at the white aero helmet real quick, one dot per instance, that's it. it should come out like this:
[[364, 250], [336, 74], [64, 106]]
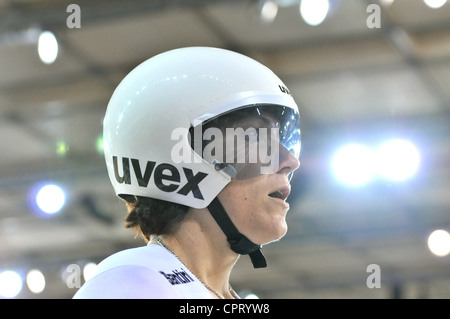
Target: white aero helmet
[[147, 122], [147, 143]]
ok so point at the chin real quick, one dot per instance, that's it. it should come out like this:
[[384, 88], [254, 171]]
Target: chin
[[272, 234], [282, 232]]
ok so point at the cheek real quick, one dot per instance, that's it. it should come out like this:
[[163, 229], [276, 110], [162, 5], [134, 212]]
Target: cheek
[[253, 212], [238, 202], [257, 219], [240, 207]]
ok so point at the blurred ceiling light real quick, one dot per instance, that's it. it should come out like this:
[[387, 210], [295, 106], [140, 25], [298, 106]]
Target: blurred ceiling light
[[354, 164], [50, 199], [99, 144], [435, 3], [62, 148], [36, 281], [47, 47], [397, 159], [268, 10], [439, 242], [89, 270], [247, 294], [386, 3], [314, 11], [10, 284]]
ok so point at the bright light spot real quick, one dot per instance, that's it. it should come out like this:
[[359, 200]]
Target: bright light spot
[[47, 47], [10, 284], [251, 296], [50, 199], [36, 281], [62, 148], [354, 165], [314, 11], [439, 242], [99, 144], [269, 10], [435, 3], [89, 271], [397, 159], [386, 3]]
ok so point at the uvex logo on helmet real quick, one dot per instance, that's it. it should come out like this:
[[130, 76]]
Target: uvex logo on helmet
[[284, 89], [166, 177]]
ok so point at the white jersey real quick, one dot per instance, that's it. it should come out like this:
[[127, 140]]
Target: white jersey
[[145, 272]]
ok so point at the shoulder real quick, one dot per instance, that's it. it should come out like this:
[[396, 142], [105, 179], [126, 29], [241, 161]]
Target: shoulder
[[126, 282], [131, 273], [147, 256]]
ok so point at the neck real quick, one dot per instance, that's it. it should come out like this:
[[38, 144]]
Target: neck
[[201, 245]]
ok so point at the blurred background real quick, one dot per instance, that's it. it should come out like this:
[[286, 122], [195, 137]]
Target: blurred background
[[370, 207]]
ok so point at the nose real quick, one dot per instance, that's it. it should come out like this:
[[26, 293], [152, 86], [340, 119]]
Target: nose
[[288, 162]]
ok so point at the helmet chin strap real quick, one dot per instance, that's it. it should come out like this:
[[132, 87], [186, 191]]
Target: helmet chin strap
[[238, 242]]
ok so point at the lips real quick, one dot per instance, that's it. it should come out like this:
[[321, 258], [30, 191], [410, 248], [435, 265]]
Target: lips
[[281, 193]]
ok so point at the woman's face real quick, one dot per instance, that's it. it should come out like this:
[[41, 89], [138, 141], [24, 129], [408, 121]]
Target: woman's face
[[257, 206]]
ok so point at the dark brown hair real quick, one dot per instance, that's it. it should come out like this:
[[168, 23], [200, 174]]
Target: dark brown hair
[[149, 216]]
